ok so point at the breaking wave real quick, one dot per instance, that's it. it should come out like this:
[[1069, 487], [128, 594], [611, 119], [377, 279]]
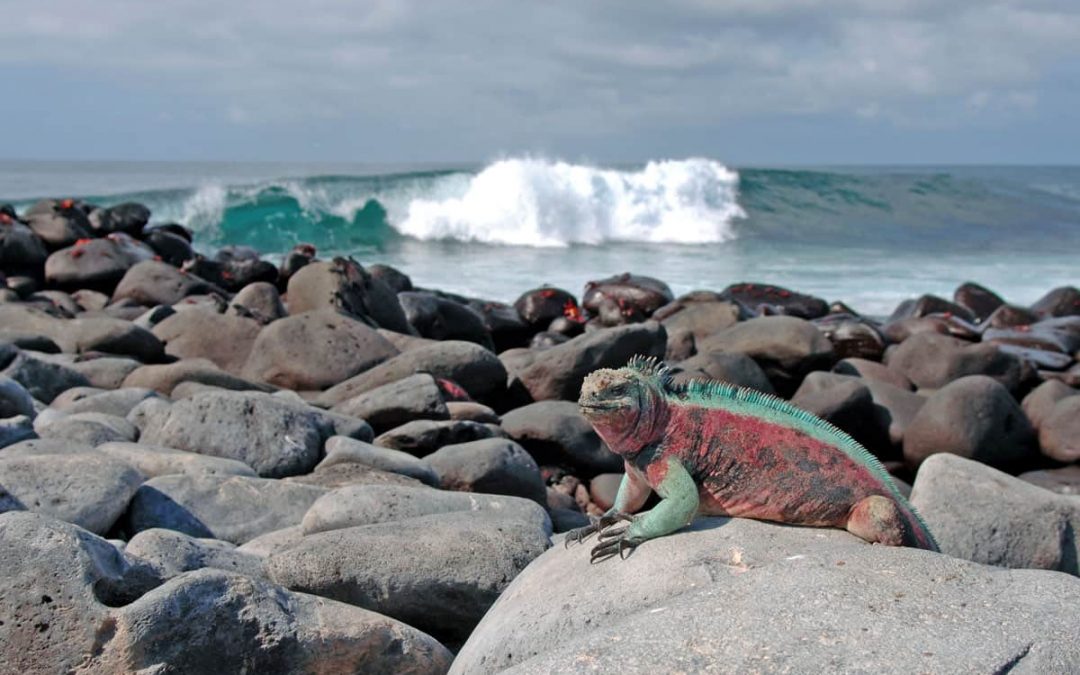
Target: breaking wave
[[529, 202]]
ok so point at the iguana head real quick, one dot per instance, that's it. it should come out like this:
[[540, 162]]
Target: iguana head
[[625, 406]]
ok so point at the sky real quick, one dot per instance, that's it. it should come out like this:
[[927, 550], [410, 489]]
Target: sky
[[749, 82]]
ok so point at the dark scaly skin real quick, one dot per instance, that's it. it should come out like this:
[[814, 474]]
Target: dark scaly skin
[[716, 458]]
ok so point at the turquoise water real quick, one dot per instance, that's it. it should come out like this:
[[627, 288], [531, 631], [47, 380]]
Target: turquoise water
[[868, 235]]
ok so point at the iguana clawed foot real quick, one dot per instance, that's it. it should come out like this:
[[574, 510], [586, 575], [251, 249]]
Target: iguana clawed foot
[[612, 542], [580, 534]]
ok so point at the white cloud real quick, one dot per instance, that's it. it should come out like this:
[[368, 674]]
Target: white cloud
[[495, 68]]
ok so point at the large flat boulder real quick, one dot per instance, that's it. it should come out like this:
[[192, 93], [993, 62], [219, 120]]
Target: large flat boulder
[[439, 573], [164, 378], [760, 597], [157, 460], [71, 602], [88, 488], [981, 514], [356, 505], [232, 508]]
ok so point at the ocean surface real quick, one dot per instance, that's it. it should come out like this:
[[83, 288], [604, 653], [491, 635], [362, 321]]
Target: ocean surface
[[870, 236]]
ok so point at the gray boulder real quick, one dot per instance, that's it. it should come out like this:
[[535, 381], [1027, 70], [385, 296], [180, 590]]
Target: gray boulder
[[88, 489], [345, 286], [981, 514], [96, 264], [344, 474], [1059, 433], [414, 397], [71, 603], [760, 597], [91, 428], [232, 508], [117, 402], [260, 301], [974, 417], [476, 369], [15, 430], [848, 404], [156, 460], [232, 623], [344, 450], [224, 340], [555, 432], [152, 282], [699, 317], [15, 399], [786, 347], [105, 372], [57, 582], [109, 336], [57, 227], [357, 505], [439, 318], [558, 373], [315, 350], [272, 542], [931, 361], [1040, 402], [1065, 481], [471, 411], [44, 378], [169, 553], [439, 573], [273, 437], [872, 370], [424, 437], [21, 250], [164, 378], [731, 367], [492, 465]]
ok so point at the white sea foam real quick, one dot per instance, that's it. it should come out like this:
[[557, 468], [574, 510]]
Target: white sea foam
[[532, 202], [204, 209]]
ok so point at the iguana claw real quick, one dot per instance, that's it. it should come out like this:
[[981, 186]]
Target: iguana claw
[[614, 542], [580, 534]]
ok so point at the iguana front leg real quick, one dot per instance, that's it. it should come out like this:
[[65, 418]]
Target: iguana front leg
[[633, 491], [676, 509]]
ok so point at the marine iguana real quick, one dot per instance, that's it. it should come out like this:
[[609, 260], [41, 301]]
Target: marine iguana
[[717, 449]]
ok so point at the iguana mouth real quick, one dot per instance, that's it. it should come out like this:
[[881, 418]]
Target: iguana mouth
[[597, 406]]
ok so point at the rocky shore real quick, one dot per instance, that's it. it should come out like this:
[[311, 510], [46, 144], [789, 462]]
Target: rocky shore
[[213, 463]]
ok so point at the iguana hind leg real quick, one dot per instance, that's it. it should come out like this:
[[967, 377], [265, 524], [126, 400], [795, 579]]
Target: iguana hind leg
[[878, 520]]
